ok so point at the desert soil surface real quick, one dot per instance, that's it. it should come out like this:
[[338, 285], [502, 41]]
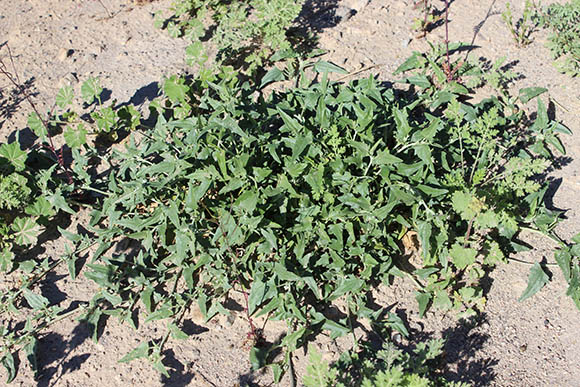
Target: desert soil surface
[[56, 42]]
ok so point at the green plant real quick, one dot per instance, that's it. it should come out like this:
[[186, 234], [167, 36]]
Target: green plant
[[302, 198], [564, 41], [24, 208], [427, 22], [389, 366], [35, 184], [295, 200], [523, 27], [245, 33], [104, 121]]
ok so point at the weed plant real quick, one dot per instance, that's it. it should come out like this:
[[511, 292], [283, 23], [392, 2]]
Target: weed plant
[[388, 366], [294, 199], [302, 198], [428, 21], [564, 41], [246, 33], [524, 26]]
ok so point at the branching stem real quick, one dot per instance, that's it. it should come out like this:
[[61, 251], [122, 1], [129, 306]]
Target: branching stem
[[15, 81]]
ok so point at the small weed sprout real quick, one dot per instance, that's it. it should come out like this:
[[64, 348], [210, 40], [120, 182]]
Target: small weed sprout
[[430, 18], [523, 27]]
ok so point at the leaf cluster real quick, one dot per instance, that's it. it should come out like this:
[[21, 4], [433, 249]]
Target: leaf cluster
[[105, 121], [303, 197], [296, 200], [564, 41], [24, 208], [522, 28], [246, 33], [389, 366]]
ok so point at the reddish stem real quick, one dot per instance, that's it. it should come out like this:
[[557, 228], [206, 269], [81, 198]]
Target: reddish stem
[[449, 73], [18, 85], [253, 330]]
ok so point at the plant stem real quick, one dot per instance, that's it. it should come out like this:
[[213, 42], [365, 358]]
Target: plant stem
[[18, 85], [40, 275], [449, 74]]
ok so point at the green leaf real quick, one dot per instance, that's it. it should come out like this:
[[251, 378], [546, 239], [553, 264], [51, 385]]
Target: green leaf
[[31, 349], [556, 143], [141, 351], [395, 322], [6, 259], [71, 236], [256, 297], [147, 298], [26, 231], [424, 231], [177, 333], [442, 300], [158, 365], [526, 94], [402, 123], [350, 284], [75, 138], [432, 191], [542, 118], [14, 155], [40, 207], [91, 90], [328, 67], [385, 157], [423, 152], [175, 89], [423, 300], [164, 312], [419, 80], [59, 202], [247, 201], [318, 373], [274, 75], [8, 363], [277, 372], [258, 358], [64, 97], [336, 329], [536, 281], [284, 274], [462, 256], [291, 339], [290, 122], [37, 126], [461, 202], [413, 62], [35, 301]]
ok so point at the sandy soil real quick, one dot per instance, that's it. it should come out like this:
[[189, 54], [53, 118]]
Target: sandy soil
[[534, 343]]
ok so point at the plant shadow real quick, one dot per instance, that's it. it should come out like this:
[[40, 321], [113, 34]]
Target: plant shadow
[[11, 100], [460, 360]]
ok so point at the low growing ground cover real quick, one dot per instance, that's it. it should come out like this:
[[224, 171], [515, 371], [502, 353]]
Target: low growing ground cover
[[295, 198]]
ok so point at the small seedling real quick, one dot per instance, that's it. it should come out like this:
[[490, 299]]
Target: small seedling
[[523, 27], [427, 22]]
